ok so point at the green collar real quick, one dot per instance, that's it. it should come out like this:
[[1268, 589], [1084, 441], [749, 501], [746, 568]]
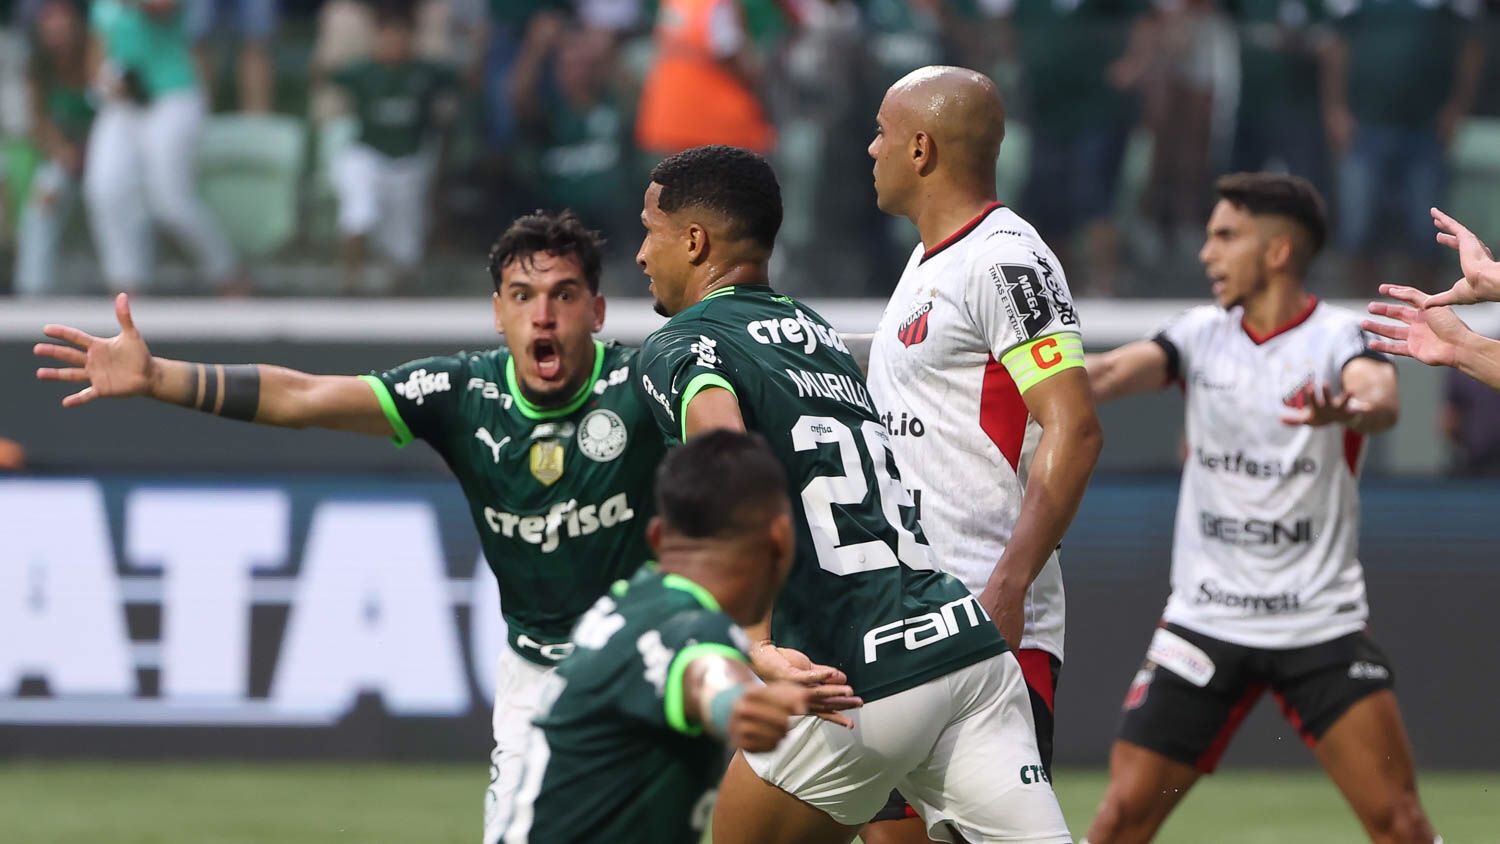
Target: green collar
[[531, 411], [706, 598], [722, 291]]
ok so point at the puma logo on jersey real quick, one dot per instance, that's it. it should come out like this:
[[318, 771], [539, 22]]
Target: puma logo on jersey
[[484, 436], [913, 329]]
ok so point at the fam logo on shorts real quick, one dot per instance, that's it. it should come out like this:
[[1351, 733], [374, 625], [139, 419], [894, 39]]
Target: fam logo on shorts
[[602, 436], [913, 329]]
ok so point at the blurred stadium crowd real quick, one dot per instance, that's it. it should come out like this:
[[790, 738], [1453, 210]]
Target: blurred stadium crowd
[[313, 147]]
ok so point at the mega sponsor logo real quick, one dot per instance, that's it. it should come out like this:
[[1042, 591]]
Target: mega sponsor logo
[[420, 384], [1240, 463], [1023, 293], [657, 395], [905, 425], [831, 385], [565, 520], [797, 330], [1210, 593], [917, 632], [913, 329], [1066, 314], [1233, 530]]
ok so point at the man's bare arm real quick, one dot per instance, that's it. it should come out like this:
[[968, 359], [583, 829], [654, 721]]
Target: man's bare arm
[[1372, 383], [1060, 470], [122, 366], [1139, 367]]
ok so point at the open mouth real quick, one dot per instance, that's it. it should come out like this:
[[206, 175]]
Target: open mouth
[[548, 359]]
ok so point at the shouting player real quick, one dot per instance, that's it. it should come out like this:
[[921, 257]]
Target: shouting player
[[945, 716], [978, 362], [1267, 592], [620, 752], [550, 444]]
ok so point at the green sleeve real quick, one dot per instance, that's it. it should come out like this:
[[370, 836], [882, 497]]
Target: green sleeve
[[421, 398], [654, 690], [675, 366]]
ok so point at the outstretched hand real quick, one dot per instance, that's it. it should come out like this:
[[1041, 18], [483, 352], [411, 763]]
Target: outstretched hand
[[1319, 407], [831, 693], [1481, 281], [762, 716], [113, 367], [1430, 335]]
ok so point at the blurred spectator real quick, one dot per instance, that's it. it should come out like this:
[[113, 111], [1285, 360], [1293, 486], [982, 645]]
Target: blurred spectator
[[12, 456], [1471, 421], [140, 163], [576, 127], [384, 179], [57, 87], [251, 23], [1278, 126], [1189, 43], [702, 88], [447, 32], [13, 112], [1077, 77], [510, 22], [1398, 79]]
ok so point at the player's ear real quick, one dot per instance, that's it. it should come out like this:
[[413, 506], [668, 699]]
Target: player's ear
[[1280, 251], [923, 157], [695, 236], [653, 534], [783, 540], [598, 312], [495, 303]]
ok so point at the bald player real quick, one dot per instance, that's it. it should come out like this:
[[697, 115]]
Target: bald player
[[978, 362]]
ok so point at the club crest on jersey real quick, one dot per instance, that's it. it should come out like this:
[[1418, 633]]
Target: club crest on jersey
[[913, 329], [1296, 397], [546, 461], [1140, 686], [601, 436]]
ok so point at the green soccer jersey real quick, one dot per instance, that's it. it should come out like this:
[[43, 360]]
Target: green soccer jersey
[[395, 103], [560, 497], [612, 756], [863, 594]]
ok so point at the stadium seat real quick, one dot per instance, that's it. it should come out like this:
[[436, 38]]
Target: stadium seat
[[1476, 177], [249, 173]]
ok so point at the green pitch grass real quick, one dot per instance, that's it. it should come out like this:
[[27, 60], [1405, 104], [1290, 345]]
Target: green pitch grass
[[230, 803]]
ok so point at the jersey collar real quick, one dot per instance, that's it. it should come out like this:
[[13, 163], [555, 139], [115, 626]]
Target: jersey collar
[[705, 597], [961, 233], [1260, 339], [727, 291], [531, 411]]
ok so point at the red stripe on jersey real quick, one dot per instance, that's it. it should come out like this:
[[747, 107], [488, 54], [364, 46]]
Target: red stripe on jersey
[[1002, 413], [1036, 669], [959, 235], [1354, 443], [1295, 719], [1312, 303], [1210, 758]]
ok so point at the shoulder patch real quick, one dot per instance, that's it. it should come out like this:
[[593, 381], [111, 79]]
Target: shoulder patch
[[1021, 289]]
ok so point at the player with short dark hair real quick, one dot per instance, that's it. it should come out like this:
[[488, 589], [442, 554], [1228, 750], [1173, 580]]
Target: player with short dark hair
[[626, 748], [551, 446], [1267, 591], [864, 604]]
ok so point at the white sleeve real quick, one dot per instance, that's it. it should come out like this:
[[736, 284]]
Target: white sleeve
[[1350, 342], [1015, 295], [1178, 337]]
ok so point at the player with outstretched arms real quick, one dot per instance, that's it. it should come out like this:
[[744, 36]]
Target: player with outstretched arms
[[627, 746], [1267, 591], [944, 712], [978, 363], [547, 438]]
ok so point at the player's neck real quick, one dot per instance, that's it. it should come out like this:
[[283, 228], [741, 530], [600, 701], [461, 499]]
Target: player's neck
[[1274, 307], [706, 563], [715, 279], [943, 213]]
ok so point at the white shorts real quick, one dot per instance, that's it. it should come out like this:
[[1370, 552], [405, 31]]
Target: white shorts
[[961, 749], [518, 685], [384, 199]]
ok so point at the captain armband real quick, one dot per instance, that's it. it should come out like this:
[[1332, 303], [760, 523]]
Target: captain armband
[[1029, 364], [229, 391]]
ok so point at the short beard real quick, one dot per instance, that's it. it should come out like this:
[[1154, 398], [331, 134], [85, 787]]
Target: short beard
[[661, 309], [550, 399]]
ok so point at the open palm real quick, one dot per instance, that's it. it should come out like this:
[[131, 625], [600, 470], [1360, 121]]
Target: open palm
[[113, 367], [1430, 335], [1481, 281]]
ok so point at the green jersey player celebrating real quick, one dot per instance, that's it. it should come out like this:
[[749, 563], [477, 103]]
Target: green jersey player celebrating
[[945, 714], [537, 433], [627, 750]]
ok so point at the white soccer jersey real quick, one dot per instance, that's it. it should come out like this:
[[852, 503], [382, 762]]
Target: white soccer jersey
[[973, 323], [1268, 518]]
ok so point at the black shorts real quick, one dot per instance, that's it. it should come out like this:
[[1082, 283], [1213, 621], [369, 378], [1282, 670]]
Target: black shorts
[[1040, 669], [1191, 723]]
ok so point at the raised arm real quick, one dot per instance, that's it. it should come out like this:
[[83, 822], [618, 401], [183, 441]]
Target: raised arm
[[1139, 367], [122, 366], [1436, 336]]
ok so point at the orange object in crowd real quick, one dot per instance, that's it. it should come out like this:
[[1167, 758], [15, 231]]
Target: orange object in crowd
[[692, 97]]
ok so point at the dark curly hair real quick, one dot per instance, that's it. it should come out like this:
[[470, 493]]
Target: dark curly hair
[[563, 235], [731, 181]]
